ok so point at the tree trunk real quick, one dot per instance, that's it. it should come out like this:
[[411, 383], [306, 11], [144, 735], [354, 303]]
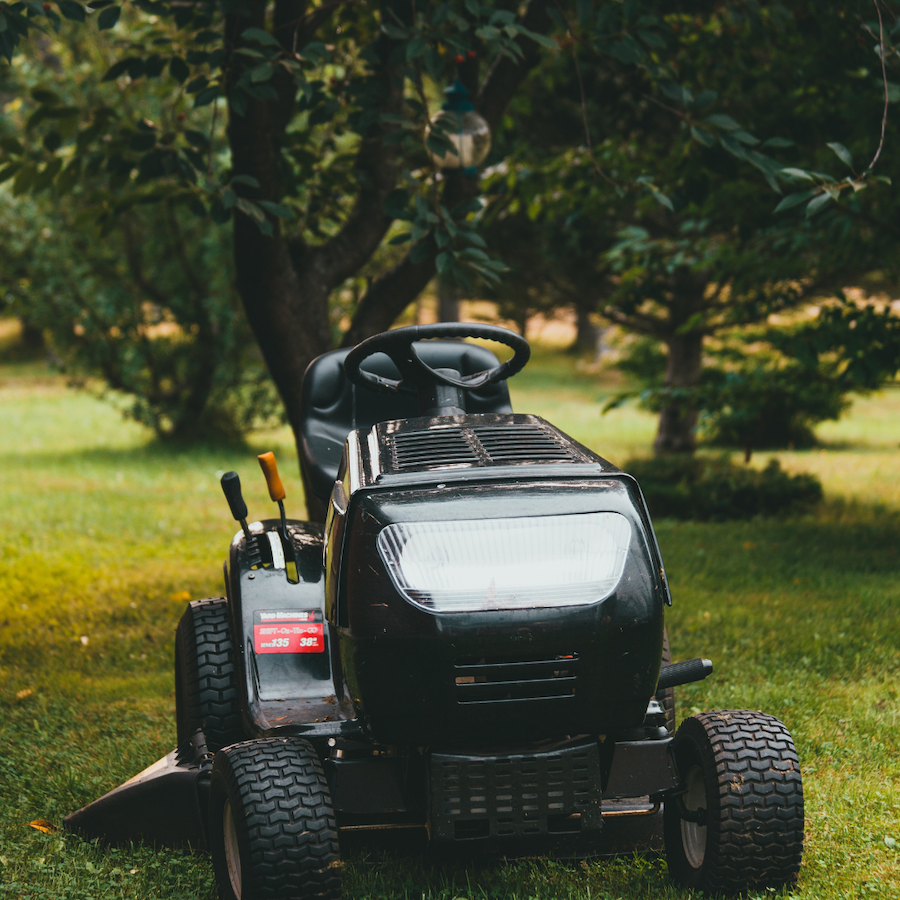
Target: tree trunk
[[588, 335], [677, 420], [448, 300]]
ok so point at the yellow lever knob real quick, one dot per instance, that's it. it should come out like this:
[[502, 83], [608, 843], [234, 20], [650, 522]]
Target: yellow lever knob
[[270, 470]]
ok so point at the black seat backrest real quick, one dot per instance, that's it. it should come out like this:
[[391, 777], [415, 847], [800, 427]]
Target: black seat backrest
[[331, 407]]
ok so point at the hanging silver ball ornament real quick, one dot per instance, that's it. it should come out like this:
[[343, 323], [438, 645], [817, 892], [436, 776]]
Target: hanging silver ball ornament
[[467, 132]]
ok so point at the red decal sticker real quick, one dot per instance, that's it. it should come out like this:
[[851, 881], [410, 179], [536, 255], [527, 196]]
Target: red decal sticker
[[288, 638]]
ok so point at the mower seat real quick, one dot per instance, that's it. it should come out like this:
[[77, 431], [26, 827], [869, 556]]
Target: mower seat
[[331, 407]]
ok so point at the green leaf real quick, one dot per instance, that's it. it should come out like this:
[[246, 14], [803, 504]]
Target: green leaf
[[794, 200], [178, 69], [796, 174], [732, 145], [443, 262], [415, 49], [842, 153], [394, 31], [702, 136], [8, 172], [283, 212], [71, 10], [262, 73], [817, 203], [229, 198], [538, 38], [661, 198], [260, 36], [116, 69], [108, 17], [720, 120], [400, 238], [745, 137], [777, 142], [249, 180], [206, 97], [197, 138]]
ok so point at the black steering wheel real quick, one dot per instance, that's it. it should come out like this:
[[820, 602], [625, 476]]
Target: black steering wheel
[[398, 345]]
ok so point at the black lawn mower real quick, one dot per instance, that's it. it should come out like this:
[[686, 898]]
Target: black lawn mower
[[472, 646]]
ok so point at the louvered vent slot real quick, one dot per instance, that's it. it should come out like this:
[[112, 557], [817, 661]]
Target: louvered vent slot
[[428, 449], [498, 681], [522, 443]]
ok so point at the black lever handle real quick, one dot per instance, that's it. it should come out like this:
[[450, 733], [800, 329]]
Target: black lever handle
[[684, 673], [231, 487]]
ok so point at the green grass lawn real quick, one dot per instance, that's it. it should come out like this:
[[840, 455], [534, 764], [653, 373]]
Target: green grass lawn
[[105, 535]]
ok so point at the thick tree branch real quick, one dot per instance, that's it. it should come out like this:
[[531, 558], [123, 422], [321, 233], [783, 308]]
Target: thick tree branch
[[635, 322]]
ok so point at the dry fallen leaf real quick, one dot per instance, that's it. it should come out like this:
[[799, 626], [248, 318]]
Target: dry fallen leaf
[[25, 692], [43, 825]]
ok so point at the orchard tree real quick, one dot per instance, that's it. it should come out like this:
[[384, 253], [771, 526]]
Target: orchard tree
[[731, 229], [326, 108]]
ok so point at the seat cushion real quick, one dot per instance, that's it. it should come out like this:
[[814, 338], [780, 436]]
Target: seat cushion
[[331, 407]]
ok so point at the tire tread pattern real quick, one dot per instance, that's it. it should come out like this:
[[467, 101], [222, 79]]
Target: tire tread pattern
[[755, 817], [208, 695], [291, 833]]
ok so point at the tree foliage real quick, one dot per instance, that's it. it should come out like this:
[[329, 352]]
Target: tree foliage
[[640, 148]]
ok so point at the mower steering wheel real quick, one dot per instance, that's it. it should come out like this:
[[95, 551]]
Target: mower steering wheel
[[398, 345]]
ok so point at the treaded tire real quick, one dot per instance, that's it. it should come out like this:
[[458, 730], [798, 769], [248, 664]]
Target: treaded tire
[[742, 767], [282, 841], [206, 693], [666, 697]]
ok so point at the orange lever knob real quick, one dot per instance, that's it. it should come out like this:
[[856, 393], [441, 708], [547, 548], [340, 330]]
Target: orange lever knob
[[270, 470]]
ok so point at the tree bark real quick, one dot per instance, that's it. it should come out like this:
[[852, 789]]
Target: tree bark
[[448, 300], [677, 420], [588, 335], [684, 339]]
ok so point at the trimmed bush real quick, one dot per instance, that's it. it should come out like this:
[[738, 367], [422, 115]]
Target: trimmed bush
[[697, 488]]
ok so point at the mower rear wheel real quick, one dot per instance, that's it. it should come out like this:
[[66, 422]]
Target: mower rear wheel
[[738, 826], [272, 831], [206, 693]]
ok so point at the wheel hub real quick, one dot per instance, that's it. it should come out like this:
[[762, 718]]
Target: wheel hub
[[692, 834], [232, 852]]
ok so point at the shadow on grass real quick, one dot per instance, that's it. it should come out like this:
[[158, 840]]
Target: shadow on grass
[[152, 452]]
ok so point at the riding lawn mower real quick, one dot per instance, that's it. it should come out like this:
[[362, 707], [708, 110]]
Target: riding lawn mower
[[472, 646]]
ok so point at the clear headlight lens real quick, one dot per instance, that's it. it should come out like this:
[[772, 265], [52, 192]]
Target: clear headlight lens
[[507, 563]]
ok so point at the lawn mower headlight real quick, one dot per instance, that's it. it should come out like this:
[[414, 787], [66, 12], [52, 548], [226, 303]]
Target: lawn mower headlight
[[507, 563]]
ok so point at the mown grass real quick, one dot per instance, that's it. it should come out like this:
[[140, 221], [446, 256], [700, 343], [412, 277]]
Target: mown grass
[[106, 534]]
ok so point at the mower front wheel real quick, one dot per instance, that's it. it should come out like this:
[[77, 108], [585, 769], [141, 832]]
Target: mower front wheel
[[272, 831], [738, 825], [206, 693]]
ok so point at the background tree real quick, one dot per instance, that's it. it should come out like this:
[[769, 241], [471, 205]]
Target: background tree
[[149, 306], [712, 257]]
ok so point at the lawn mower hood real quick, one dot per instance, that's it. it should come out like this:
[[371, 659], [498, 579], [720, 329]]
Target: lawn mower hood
[[490, 580]]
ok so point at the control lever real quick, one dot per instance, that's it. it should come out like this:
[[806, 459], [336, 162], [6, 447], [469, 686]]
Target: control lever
[[276, 488], [276, 492], [231, 487]]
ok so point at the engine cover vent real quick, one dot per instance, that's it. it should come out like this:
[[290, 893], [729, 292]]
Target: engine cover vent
[[430, 449], [521, 444], [504, 681], [479, 445]]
